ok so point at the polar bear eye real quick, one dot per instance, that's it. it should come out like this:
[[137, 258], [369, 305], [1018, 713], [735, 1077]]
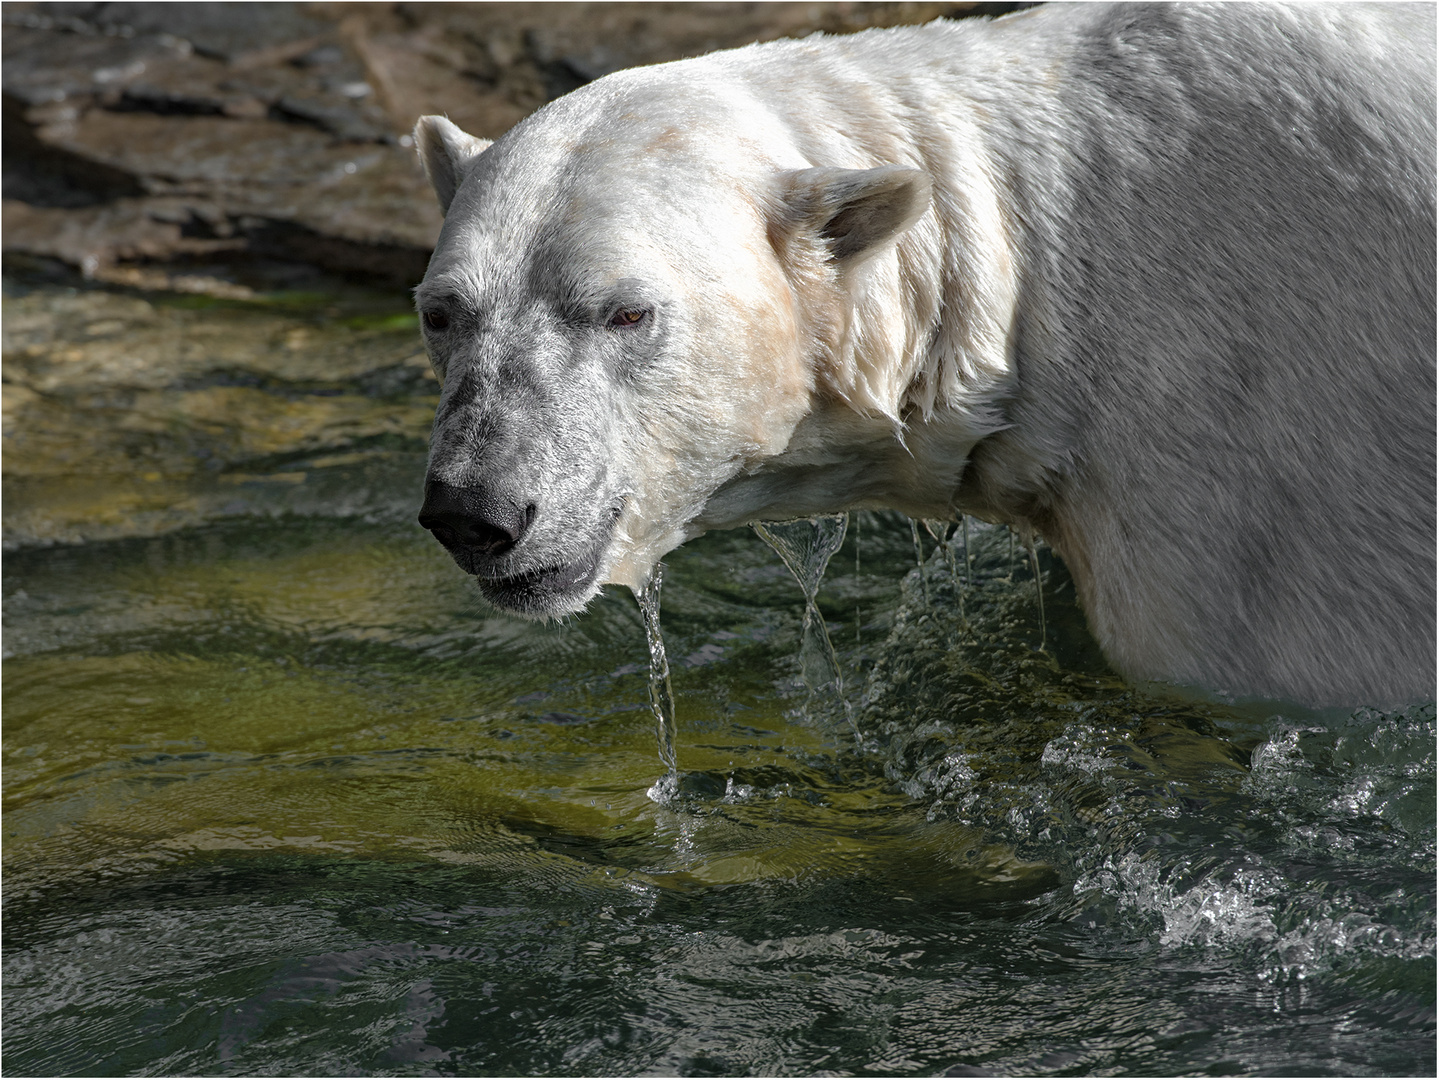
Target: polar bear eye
[[436, 319], [628, 317]]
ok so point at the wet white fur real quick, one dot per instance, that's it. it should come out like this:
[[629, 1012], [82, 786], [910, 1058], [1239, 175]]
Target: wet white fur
[[1168, 299]]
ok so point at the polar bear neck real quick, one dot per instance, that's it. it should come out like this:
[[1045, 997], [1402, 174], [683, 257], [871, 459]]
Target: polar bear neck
[[928, 324], [917, 368]]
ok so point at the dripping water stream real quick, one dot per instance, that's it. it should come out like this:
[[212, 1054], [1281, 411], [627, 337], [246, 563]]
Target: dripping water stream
[[806, 546], [919, 559], [1028, 538], [964, 528], [940, 531], [662, 698]]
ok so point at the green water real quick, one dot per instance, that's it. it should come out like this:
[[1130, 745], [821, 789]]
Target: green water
[[283, 797]]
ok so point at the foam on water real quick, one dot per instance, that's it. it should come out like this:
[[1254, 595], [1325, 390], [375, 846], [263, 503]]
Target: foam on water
[[1286, 929]]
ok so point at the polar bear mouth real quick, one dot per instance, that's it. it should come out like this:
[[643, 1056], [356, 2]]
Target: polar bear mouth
[[547, 590]]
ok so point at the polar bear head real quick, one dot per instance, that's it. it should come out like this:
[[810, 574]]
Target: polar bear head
[[630, 304]]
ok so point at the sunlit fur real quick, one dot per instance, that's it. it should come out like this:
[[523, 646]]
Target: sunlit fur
[[1158, 284]]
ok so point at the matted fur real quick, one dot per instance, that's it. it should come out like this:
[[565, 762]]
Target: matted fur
[[1157, 282]]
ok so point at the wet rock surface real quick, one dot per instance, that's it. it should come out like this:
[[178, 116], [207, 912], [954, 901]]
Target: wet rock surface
[[202, 147]]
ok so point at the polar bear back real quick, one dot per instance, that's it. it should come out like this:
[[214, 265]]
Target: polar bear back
[[1233, 344]]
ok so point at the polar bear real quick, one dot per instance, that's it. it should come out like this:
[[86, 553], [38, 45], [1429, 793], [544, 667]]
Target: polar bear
[[1156, 282]]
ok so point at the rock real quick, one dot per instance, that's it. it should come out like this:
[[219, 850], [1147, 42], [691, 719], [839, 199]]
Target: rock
[[177, 132], [142, 139], [224, 31], [95, 238]]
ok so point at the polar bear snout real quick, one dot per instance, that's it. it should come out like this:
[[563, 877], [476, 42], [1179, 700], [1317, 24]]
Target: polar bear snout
[[474, 524], [520, 564]]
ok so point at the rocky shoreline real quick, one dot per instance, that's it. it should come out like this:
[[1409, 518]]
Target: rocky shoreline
[[222, 148]]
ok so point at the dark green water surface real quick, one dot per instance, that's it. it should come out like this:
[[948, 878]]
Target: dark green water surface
[[283, 797]]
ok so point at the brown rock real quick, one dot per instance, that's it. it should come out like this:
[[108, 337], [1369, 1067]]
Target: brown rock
[[96, 237]]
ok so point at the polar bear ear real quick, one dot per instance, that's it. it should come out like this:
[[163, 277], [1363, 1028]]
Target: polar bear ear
[[446, 153], [858, 211]]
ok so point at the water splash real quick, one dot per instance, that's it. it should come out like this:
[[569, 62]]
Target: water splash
[[806, 547], [662, 698]]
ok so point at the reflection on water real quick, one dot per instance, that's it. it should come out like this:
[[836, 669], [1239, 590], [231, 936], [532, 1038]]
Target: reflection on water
[[282, 796]]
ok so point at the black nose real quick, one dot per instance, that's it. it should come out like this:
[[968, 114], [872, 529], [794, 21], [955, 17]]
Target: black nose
[[474, 517]]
